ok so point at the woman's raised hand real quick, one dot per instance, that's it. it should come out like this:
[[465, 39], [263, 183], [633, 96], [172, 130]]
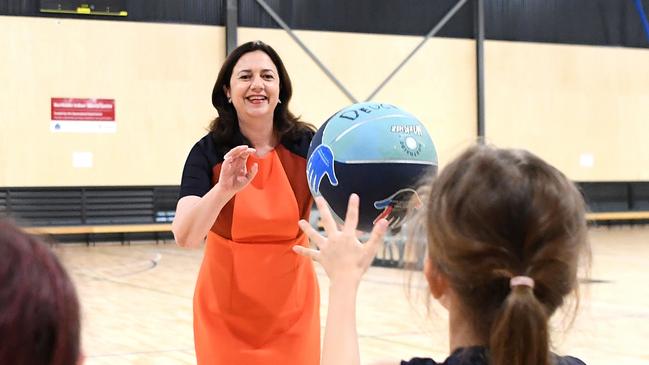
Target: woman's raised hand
[[341, 254], [234, 174]]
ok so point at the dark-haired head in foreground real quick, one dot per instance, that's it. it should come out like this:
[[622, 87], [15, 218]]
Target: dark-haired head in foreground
[[39, 309]]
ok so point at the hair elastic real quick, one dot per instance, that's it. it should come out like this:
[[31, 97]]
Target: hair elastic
[[521, 281]]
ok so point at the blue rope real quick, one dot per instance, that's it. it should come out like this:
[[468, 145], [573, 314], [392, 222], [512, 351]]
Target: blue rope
[[643, 17]]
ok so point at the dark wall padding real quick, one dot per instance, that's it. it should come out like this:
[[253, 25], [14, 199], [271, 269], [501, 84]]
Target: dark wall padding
[[409, 17], [616, 196], [595, 22], [52, 206], [640, 196], [208, 12], [89, 205], [591, 22], [606, 196]]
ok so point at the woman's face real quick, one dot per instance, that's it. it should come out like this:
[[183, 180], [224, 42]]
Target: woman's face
[[254, 86]]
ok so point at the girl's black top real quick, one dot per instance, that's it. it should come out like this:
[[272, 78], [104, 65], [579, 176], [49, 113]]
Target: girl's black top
[[478, 356]]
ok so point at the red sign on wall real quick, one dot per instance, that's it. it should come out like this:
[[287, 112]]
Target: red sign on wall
[[83, 109], [76, 115]]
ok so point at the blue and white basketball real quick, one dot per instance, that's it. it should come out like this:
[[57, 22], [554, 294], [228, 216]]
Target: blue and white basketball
[[375, 150]]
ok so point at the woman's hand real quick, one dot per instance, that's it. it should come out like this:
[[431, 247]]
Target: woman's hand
[[343, 257], [195, 215], [234, 174]]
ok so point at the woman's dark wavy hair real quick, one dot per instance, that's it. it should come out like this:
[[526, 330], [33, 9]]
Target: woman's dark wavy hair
[[225, 128], [39, 309]]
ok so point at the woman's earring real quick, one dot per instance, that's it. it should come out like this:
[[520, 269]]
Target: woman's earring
[[229, 100], [279, 101]]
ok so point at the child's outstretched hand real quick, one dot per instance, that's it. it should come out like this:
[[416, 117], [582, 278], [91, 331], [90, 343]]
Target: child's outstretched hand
[[343, 257]]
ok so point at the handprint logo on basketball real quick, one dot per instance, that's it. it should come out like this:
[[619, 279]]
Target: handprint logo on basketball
[[396, 206], [321, 163]]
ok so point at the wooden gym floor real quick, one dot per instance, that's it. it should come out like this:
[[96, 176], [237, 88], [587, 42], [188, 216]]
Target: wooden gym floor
[[137, 305]]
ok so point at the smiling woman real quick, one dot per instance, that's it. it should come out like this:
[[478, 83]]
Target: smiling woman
[[254, 70], [244, 188], [254, 90]]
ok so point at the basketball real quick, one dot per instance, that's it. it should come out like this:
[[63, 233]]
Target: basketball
[[375, 150]]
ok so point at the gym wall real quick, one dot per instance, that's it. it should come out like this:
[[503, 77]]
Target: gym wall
[[580, 107], [161, 76]]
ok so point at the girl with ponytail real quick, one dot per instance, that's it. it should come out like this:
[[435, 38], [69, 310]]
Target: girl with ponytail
[[505, 232]]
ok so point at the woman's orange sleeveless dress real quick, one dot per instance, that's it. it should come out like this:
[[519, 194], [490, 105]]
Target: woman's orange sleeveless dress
[[256, 301]]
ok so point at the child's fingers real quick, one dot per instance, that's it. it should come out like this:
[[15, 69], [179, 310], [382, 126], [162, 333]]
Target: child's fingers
[[326, 218], [376, 237], [307, 252], [313, 235], [351, 218]]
